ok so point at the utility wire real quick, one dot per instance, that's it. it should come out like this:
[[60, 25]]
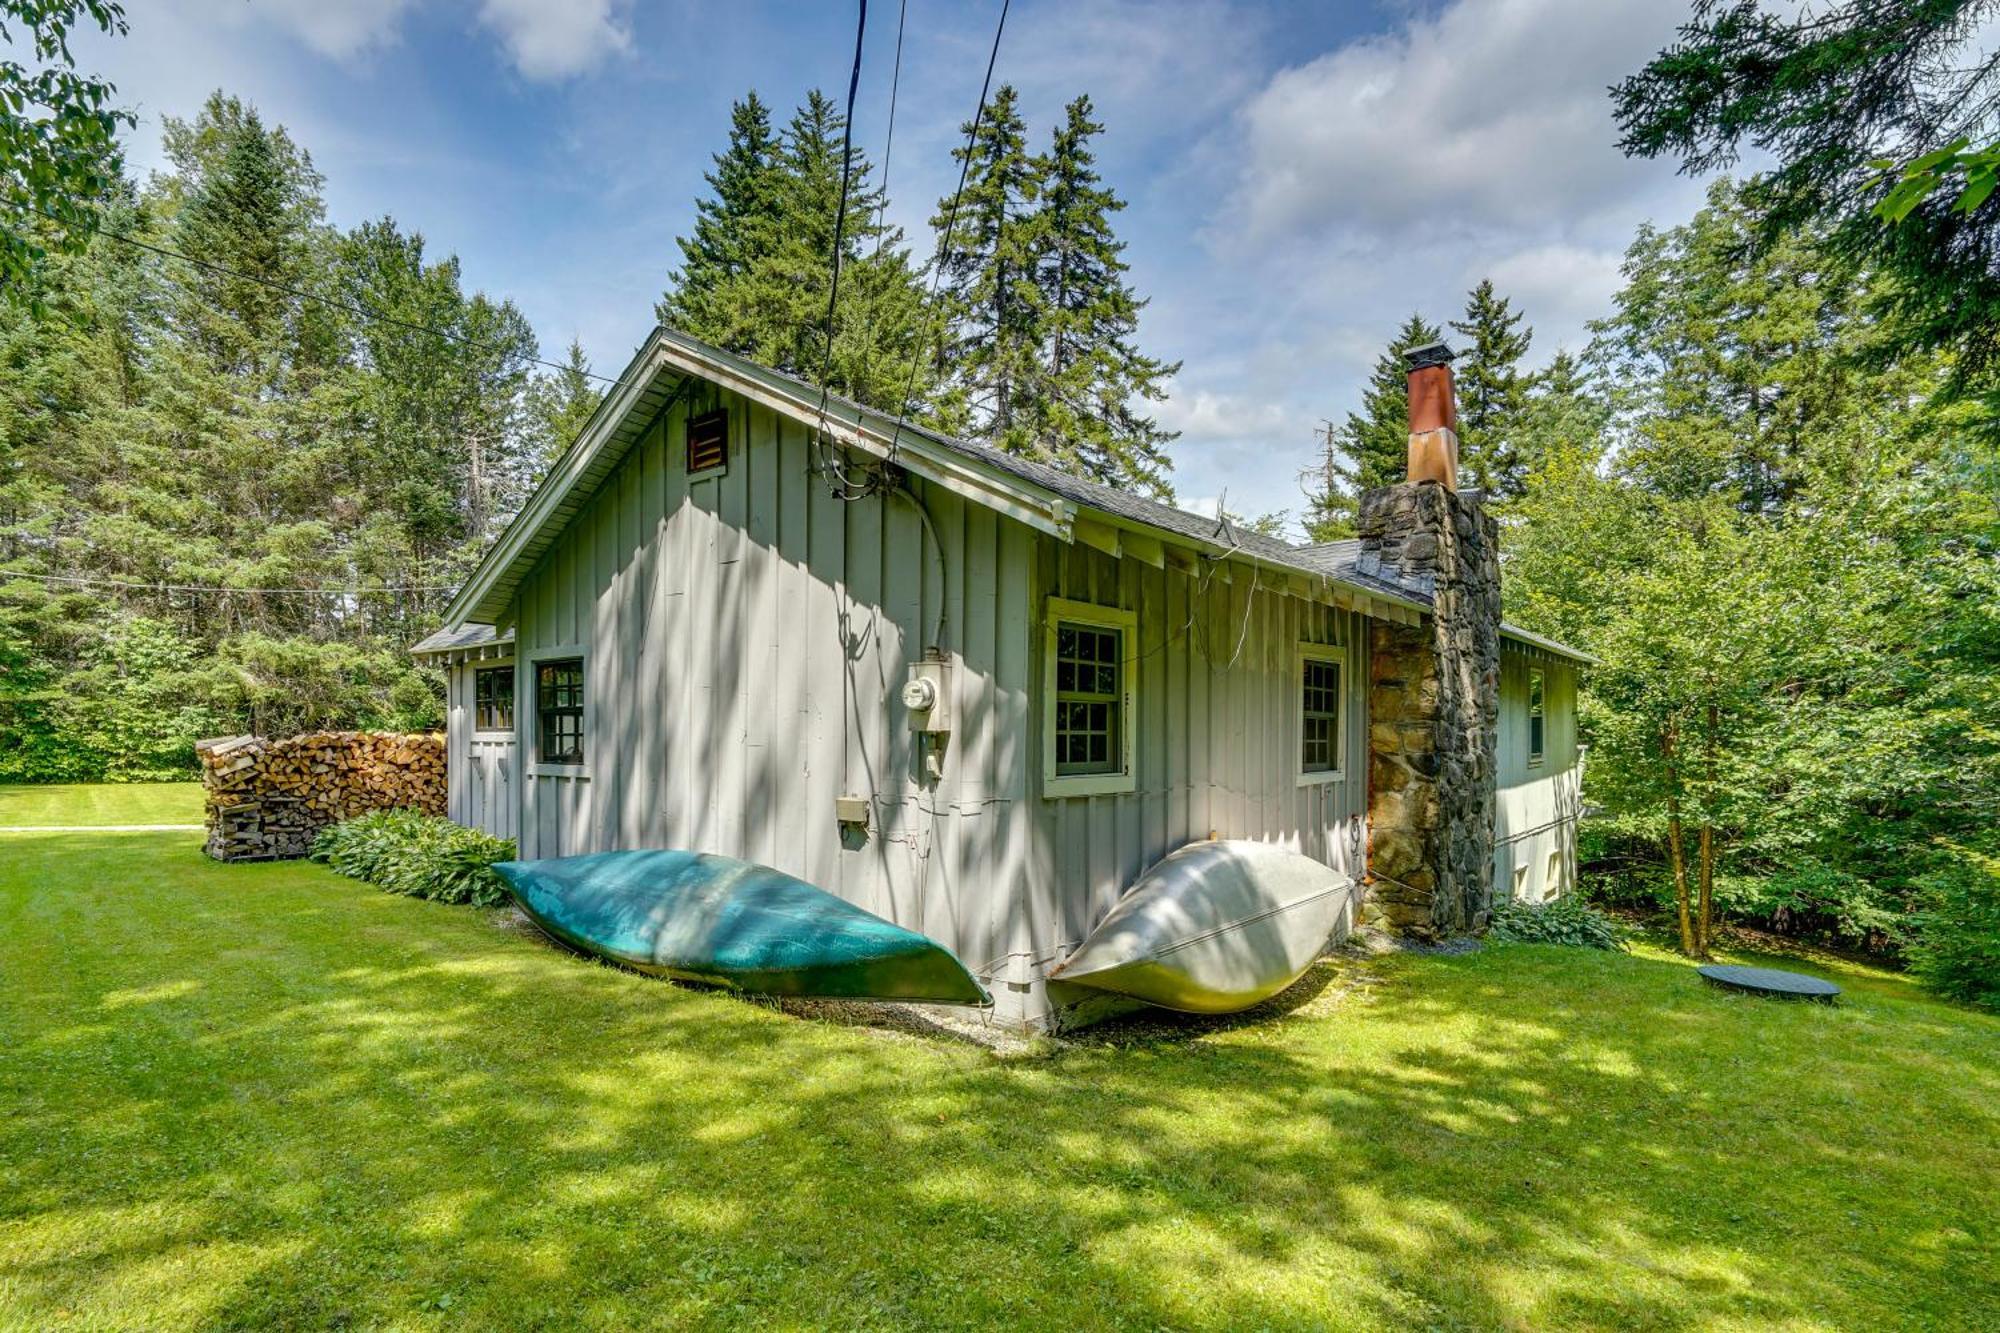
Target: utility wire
[[214, 588], [352, 307], [951, 220], [836, 477], [882, 209]]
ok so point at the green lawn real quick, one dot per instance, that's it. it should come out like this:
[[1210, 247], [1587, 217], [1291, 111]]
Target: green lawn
[[78, 803], [262, 1095]]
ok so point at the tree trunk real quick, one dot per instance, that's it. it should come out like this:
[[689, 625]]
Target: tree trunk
[[1707, 870], [1706, 879], [1676, 849]]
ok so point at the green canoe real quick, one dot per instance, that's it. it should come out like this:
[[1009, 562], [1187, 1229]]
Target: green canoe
[[717, 919]]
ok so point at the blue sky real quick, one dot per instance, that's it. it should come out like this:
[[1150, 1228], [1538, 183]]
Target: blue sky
[[1299, 175]]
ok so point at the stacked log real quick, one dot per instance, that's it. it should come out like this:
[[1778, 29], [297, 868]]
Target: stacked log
[[266, 799]]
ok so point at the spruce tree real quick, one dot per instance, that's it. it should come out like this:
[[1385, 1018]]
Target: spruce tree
[[1491, 392], [1092, 370], [560, 403], [769, 301], [1372, 447], [734, 227], [992, 360], [247, 220]]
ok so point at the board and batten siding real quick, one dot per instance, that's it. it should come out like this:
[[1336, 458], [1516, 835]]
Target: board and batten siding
[[481, 765], [1217, 746], [1538, 804], [745, 637]]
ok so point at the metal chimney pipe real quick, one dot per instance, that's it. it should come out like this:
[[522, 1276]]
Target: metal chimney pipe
[[1433, 416]]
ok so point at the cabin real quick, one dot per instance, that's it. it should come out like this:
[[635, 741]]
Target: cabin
[[979, 697]]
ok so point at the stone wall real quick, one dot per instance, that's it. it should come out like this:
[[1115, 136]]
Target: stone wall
[[1434, 710], [265, 799]]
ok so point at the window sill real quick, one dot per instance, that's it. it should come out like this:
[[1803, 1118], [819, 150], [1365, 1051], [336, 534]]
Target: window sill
[[541, 770], [1088, 784], [1321, 779]]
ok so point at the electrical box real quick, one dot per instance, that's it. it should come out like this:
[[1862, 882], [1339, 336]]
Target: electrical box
[[851, 810], [927, 696]]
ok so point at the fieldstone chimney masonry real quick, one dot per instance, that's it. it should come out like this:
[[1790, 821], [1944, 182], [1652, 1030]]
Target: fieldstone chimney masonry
[[1434, 689]]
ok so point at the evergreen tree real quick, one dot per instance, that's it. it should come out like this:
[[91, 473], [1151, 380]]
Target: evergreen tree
[[735, 227], [1093, 371], [993, 357], [765, 296], [1561, 407], [247, 221], [1830, 92], [1492, 392], [560, 403], [1373, 445]]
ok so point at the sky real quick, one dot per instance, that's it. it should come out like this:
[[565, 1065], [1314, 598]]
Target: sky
[[1299, 175]]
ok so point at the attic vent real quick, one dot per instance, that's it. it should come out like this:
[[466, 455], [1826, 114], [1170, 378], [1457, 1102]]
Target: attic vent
[[708, 442]]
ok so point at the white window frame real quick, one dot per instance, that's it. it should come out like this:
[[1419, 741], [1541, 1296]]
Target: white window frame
[[1535, 757], [529, 723], [1126, 778], [1339, 656]]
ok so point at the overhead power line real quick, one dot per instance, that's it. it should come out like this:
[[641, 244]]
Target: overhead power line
[[951, 219], [140, 586], [837, 478]]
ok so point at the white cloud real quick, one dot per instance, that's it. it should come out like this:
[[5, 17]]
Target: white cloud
[[1204, 417], [341, 29], [1566, 286], [549, 41], [1488, 113]]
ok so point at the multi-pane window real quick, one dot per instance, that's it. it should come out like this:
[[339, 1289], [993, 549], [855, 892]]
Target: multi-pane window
[[493, 698], [559, 710], [1535, 726], [1319, 715], [1089, 662]]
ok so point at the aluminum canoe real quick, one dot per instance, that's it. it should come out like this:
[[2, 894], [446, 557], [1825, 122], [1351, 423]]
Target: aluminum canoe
[[708, 918], [1216, 927]]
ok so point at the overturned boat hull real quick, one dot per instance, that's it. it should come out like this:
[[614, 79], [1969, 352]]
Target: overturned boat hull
[[1216, 927], [708, 918]]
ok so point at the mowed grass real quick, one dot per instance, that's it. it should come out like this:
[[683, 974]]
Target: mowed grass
[[97, 804], [266, 1096]]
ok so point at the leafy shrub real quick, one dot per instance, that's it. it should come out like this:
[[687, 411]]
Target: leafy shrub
[[1565, 920], [1956, 951], [408, 852]]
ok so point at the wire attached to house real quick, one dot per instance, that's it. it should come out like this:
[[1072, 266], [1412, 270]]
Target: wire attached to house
[[951, 224], [882, 208], [843, 484]]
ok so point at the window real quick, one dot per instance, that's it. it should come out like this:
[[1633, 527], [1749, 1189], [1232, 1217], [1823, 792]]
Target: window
[[1320, 670], [1087, 746], [1535, 726], [493, 698], [708, 442], [559, 708]]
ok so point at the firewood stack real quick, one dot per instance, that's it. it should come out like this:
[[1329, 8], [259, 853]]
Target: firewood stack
[[266, 798]]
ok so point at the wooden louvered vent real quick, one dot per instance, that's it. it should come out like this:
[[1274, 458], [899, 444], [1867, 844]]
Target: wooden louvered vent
[[708, 442]]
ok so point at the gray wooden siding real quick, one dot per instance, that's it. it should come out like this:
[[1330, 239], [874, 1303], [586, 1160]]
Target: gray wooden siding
[[1217, 745], [1537, 805], [745, 637], [481, 764]]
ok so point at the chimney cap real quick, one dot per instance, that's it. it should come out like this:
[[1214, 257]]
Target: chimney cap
[[1430, 354]]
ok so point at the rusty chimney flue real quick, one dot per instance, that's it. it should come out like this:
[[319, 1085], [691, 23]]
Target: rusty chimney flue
[[1433, 416]]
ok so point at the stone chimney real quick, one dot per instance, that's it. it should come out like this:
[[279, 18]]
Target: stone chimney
[[1434, 688]]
